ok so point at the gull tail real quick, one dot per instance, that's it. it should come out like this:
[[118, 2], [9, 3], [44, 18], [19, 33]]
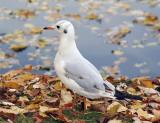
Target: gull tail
[[124, 95]]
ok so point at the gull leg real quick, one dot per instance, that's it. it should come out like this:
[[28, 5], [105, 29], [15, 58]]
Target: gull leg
[[84, 104], [74, 100]]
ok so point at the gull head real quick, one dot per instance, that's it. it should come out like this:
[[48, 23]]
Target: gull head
[[64, 27]]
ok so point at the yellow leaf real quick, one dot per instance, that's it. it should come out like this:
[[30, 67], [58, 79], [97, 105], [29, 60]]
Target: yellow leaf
[[115, 121], [26, 76], [47, 109], [66, 97], [132, 91], [92, 16], [114, 108], [117, 52], [138, 105], [144, 114], [74, 16], [32, 106], [18, 48], [24, 13], [41, 43], [57, 86], [147, 83], [44, 109], [23, 99], [13, 85], [13, 110]]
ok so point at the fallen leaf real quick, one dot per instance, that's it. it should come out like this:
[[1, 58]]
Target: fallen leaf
[[115, 108], [13, 85], [117, 52], [74, 16], [144, 114], [133, 91], [44, 109], [25, 13], [66, 97], [92, 16], [6, 103], [18, 48], [115, 121], [57, 86], [23, 99], [147, 83], [13, 110]]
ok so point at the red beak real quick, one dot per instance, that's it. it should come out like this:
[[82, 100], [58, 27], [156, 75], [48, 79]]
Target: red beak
[[49, 28]]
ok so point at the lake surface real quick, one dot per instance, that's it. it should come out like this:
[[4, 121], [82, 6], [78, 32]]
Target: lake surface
[[139, 55]]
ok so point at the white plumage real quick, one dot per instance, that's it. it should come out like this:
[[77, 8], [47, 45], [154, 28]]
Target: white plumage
[[76, 72]]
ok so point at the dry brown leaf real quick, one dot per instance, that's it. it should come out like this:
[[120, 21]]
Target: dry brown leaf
[[74, 16], [23, 99], [137, 105], [26, 76], [148, 19], [13, 110], [44, 109], [155, 98], [39, 85], [115, 121], [24, 13], [32, 107], [115, 108], [144, 114], [6, 103], [147, 83], [11, 74], [92, 16], [18, 48], [117, 52], [13, 85], [133, 91], [66, 97], [156, 114], [53, 16], [117, 33], [57, 86]]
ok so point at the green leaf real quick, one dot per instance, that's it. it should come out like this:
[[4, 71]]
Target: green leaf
[[23, 119], [2, 120], [90, 117], [51, 120]]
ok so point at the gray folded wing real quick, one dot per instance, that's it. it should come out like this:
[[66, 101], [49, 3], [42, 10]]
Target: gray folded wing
[[85, 75]]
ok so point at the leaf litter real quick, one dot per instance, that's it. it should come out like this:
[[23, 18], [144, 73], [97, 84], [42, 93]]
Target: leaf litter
[[43, 96]]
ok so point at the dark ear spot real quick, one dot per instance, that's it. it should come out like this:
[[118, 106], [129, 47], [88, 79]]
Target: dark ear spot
[[58, 27], [65, 31]]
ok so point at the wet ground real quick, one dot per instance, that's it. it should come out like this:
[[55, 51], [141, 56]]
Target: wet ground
[[120, 37]]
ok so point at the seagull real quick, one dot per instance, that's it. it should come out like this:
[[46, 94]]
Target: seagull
[[76, 72]]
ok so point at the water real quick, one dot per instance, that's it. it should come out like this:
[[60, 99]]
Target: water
[[92, 44]]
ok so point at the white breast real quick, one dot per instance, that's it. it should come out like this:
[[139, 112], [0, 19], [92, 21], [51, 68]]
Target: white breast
[[59, 65]]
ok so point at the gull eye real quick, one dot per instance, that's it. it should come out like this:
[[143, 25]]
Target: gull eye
[[58, 27], [65, 31]]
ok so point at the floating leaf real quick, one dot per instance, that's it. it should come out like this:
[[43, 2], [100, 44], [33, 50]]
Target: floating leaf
[[18, 48], [92, 16], [25, 13]]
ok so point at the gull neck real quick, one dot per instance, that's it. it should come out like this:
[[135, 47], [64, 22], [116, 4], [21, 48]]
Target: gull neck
[[67, 45]]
